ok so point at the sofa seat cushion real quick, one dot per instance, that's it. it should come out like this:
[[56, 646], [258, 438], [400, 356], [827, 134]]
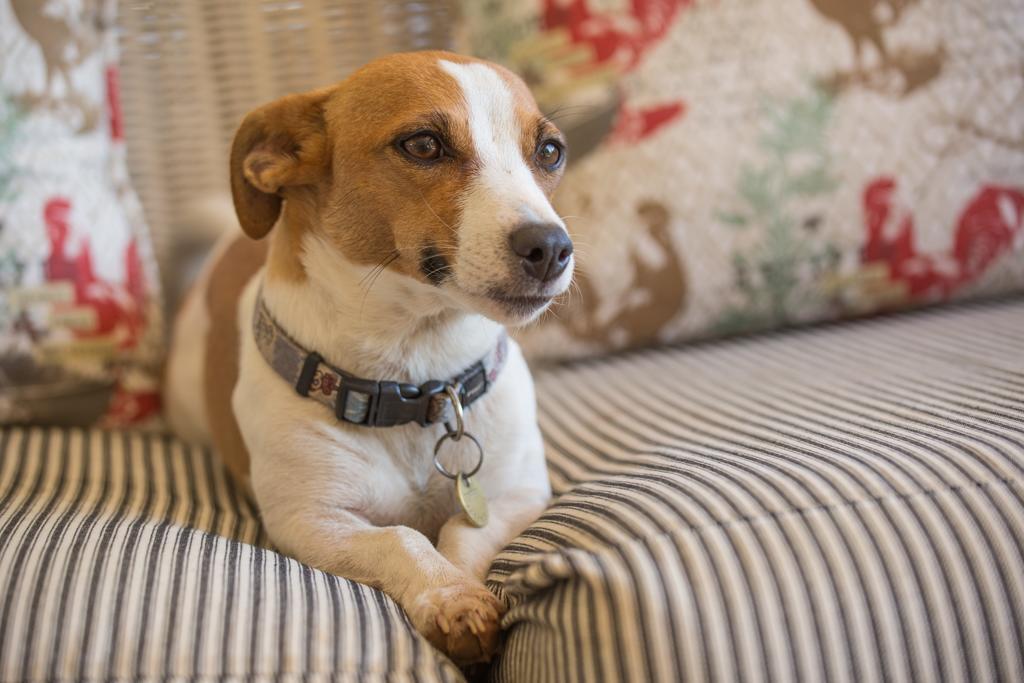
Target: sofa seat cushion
[[839, 503], [126, 556]]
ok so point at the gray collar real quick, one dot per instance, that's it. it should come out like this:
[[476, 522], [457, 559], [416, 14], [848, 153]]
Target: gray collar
[[374, 403]]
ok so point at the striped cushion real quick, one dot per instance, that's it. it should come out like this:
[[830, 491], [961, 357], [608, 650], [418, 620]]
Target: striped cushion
[[132, 557], [842, 502]]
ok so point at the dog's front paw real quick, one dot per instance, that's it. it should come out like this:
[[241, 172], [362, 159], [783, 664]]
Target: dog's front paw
[[461, 620]]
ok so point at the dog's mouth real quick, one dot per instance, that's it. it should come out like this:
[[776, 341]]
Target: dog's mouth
[[519, 305], [508, 305]]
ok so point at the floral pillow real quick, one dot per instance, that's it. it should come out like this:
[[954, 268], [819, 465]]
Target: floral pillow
[[79, 314], [737, 166]]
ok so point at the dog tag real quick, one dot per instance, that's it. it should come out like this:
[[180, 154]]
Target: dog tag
[[472, 500]]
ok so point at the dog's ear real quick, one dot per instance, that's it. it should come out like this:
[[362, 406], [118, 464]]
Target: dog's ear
[[280, 145]]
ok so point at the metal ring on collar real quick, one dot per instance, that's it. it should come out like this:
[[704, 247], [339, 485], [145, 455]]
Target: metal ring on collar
[[441, 468], [460, 425]]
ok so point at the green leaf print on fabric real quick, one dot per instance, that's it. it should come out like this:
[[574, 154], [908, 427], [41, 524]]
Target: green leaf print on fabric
[[11, 267], [778, 278], [10, 118]]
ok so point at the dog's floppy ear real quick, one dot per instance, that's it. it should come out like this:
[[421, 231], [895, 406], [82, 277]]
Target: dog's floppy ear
[[282, 144]]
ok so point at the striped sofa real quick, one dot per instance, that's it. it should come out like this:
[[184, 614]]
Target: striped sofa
[[840, 503]]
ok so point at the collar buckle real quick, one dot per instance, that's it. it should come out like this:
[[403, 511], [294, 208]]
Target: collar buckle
[[392, 403]]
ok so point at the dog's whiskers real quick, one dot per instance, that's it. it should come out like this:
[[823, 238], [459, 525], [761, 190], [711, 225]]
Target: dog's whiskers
[[431, 209], [572, 110], [374, 275], [439, 269], [446, 244], [577, 292], [384, 263]]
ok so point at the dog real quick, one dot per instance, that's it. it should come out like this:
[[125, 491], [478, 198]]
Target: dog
[[395, 223]]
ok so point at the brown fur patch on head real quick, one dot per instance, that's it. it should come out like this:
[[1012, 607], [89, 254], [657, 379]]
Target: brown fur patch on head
[[334, 156], [384, 202]]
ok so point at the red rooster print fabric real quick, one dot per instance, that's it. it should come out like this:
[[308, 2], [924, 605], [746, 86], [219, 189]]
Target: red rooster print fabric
[[118, 307], [621, 39], [743, 166], [80, 322], [989, 227]]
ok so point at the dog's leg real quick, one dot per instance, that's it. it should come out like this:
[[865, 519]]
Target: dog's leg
[[451, 608], [472, 549]]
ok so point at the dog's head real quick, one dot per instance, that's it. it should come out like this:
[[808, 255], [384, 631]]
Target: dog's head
[[436, 166]]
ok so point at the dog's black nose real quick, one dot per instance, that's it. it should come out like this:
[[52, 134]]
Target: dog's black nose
[[545, 249]]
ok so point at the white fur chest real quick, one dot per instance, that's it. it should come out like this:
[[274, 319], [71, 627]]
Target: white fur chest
[[303, 459]]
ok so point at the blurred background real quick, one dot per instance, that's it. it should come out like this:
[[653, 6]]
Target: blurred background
[[734, 166], [192, 69]]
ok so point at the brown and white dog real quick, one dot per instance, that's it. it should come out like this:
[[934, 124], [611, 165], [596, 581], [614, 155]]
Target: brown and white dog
[[408, 220]]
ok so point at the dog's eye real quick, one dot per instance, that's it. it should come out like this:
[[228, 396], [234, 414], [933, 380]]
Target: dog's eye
[[549, 155], [423, 146]]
